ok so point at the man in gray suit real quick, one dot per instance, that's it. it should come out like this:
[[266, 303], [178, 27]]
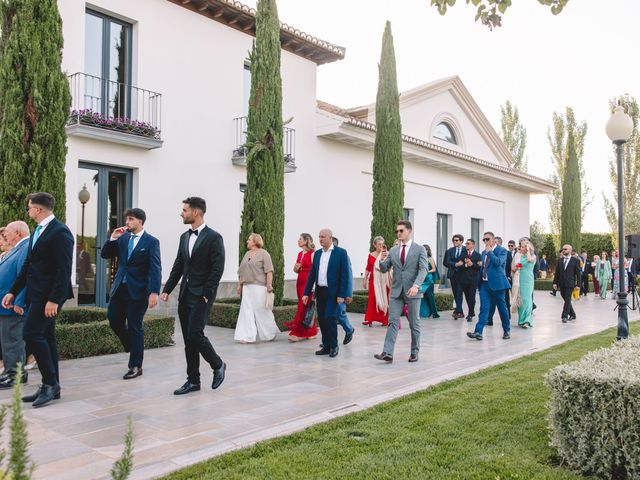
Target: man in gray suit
[[410, 267]]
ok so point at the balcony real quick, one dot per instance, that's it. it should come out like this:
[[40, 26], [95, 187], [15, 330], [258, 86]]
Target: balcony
[[115, 112], [239, 156]]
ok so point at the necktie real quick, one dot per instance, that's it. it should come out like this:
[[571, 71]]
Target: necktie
[[402, 255], [195, 232], [566, 262], [130, 247], [457, 252], [485, 266], [36, 235]]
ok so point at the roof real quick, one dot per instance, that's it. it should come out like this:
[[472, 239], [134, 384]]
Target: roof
[[241, 17]]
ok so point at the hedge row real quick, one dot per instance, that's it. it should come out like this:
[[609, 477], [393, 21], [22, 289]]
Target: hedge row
[[224, 313], [594, 411], [85, 332], [444, 302]]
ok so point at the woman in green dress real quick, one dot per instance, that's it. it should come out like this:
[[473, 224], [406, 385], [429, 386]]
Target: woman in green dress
[[523, 280], [603, 274], [428, 303]]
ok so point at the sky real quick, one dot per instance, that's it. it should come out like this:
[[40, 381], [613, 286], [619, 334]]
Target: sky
[[543, 63]]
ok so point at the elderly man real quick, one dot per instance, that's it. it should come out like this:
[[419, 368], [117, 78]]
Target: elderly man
[[12, 319]]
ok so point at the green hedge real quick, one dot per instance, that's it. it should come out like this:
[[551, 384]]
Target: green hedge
[[594, 411], [224, 312], [444, 302], [85, 332]]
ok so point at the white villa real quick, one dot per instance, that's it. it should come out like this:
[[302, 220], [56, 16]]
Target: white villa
[[173, 75]]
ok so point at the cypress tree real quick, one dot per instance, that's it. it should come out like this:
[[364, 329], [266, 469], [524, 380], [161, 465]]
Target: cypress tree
[[571, 211], [34, 106], [388, 183], [263, 210]]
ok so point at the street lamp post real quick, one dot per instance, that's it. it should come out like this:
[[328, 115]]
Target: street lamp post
[[83, 196], [619, 129]]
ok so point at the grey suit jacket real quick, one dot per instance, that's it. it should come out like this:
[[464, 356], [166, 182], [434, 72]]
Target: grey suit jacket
[[416, 266]]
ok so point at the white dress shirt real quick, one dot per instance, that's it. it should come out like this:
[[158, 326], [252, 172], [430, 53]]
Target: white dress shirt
[[324, 266], [193, 238], [136, 238]]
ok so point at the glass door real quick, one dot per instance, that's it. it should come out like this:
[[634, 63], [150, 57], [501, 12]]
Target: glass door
[[104, 193], [475, 232], [442, 237]]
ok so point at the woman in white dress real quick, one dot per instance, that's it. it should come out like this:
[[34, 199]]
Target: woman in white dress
[[255, 279]]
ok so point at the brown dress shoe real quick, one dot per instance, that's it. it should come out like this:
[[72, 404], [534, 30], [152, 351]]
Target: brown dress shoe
[[133, 372], [413, 358], [384, 356]]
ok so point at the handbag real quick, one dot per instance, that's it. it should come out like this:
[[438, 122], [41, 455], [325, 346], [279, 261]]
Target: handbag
[[271, 298], [309, 314]]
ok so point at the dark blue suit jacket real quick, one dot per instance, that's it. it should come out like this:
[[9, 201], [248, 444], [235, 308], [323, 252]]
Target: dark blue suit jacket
[[9, 271], [338, 282], [450, 260], [495, 269], [143, 269]]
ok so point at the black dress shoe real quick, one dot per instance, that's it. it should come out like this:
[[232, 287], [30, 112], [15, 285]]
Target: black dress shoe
[[506, 336], [573, 317], [218, 376], [133, 372], [348, 337], [322, 351], [333, 352], [10, 382], [188, 387], [384, 356], [474, 335], [490, 323], [413, 358], [47, 394], [4, 377], [564, 319], [34, 396]]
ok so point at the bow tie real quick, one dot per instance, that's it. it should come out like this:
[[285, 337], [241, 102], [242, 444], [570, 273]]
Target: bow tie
[[195, 232]]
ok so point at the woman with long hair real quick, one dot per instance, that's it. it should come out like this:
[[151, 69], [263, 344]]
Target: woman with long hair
[[302, 268], [522, 283], [378, 284], [428, 306]]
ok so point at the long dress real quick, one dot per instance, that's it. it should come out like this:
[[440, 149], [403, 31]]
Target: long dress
[[295, 325], [373, 313], [616, 277], [428, 306], [603, 274], [527, 280]]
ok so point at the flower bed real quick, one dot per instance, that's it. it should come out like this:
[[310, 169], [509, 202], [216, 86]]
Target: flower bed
[[119, 124]]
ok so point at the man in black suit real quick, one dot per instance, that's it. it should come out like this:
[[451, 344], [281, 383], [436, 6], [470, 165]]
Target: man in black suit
[[46, 274], [136, 286], [469, 276], [200, 263], [453, 261], [586, 271], [566, 278]]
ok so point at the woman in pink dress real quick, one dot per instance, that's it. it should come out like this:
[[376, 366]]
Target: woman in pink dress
[[378, 285], [302, 268]]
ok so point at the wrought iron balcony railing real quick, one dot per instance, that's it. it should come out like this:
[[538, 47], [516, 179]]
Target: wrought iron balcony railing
[[115, 106], [239, 156]]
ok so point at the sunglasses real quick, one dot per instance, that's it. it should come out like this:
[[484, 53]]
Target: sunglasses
[[486, 239], [400, 231]]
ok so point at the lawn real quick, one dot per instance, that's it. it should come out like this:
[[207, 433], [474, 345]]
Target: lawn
[[488, 425]]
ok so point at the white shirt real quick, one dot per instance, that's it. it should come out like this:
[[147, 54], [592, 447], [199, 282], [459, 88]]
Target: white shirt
[[22, 240], [486, 260], [46, 222], [136, 238], [193, 237], [324, 266], [566, 261]]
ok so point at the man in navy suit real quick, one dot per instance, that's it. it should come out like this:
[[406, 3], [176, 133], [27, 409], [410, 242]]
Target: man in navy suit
[[330, 275], [46, 274], [136, 286], [453, 260], [492, 284]]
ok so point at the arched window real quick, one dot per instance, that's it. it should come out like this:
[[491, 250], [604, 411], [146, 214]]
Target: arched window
[[443, 131]]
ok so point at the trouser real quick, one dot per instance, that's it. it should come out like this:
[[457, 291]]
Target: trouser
[[584, 284], [126, 320], [596, 285], [567, 308], [11, 327], [193, 313], [343, 319], [507, 302], [543, 274], [456, 288], [395, 310], [328, 324], [469, 291], [492, 299], [39, 334]]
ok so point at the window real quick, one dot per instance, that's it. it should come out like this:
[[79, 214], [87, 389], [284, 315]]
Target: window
[[443, 131], [246, 87], [107, 59], [476, 227]]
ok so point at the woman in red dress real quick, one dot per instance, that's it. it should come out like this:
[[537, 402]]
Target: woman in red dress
[[378, 286], [302, 268]]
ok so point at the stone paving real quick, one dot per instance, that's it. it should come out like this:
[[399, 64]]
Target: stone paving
[[271, 389]]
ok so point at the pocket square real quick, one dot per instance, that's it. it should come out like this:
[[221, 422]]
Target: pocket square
[[142, 249]]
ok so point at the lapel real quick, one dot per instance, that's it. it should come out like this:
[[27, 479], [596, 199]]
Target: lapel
[[199, 240], [141, 244], [184, 244]]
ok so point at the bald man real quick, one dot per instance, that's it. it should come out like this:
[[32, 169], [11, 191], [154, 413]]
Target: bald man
[[12, 319]]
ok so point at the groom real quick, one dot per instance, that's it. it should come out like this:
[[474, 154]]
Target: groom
[[410, 267]]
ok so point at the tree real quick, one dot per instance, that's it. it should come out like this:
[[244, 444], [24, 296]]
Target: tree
[[631, 174], [563, 127], [571, 212], [490, 12], [550, 248], [388, 182], [34, 106], [263, 210], [536, 235], [514, 135]]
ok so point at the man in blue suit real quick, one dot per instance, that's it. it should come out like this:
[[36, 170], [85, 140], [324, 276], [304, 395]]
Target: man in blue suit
[[330, 275], [136, 286], [12, 319], [492, 286]]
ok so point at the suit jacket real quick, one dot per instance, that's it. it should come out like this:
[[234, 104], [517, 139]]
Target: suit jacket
[[202, 270], [143, 269], [9, 270], [587, 269], [46, 272], [543, 265], [507, 265], [469, 275], [339, 281], [496, 276], [567, 277], [415, 269], [450, 259]]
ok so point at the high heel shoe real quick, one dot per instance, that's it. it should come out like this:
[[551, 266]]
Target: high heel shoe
[[367, 322]]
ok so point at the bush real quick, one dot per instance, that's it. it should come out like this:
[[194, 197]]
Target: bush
[[444, 302], [85, 332], [543, 284], [224, 312], [594, 411]]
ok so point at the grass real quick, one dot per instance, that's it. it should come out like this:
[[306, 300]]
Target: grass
[[488, 425]]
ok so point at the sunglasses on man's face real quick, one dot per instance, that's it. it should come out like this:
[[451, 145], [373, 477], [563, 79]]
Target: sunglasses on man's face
[[486, 239], [400, 230]]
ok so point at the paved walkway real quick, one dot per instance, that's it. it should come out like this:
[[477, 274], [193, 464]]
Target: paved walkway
[[271, 389]]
